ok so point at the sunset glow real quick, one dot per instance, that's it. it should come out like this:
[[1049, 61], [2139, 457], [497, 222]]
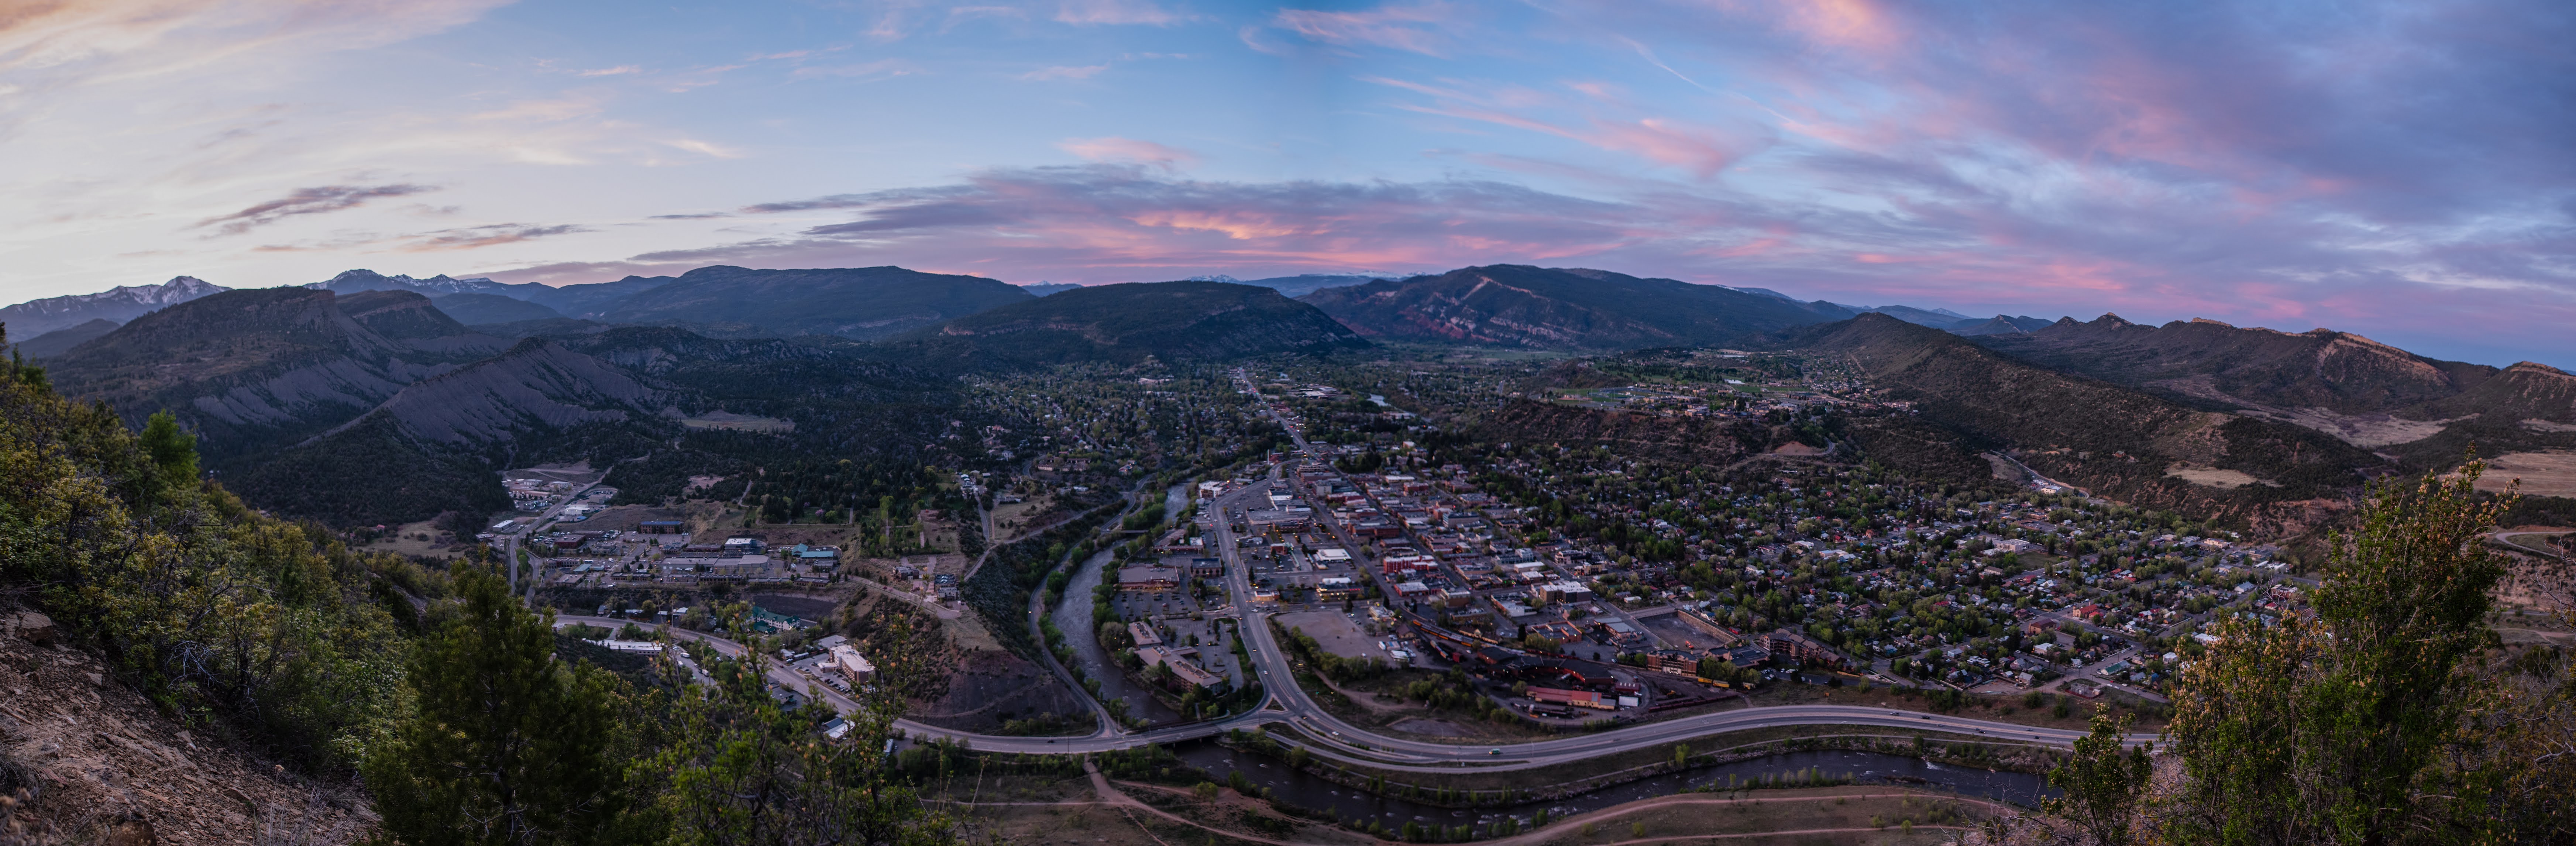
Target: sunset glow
[[2401, 170]]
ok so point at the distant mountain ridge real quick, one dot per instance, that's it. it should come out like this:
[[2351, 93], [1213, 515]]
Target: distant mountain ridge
[[861, 303], [36, 317], [1561, 308], [59, 341], [1307, 283], [1129, 322]]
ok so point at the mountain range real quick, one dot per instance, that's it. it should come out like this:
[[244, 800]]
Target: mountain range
[[116, 305], [453, 377]]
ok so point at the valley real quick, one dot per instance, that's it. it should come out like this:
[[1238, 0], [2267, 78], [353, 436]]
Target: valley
[[1489, 542]]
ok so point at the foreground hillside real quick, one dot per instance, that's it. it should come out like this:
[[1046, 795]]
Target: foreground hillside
[[100, 764]]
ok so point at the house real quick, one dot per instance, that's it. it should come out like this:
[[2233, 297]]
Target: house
[[1673, 662], [1148, 578], [1564, 592], [849, 664], [1577, 698], [1799, 647], [1188, 673], [1207, 568]]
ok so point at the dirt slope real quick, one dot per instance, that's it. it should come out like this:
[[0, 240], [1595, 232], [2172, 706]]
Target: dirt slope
[[84, 759]]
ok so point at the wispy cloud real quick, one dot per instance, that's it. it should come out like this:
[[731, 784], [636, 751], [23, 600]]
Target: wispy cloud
[[1143, 12], [302, 201], [619, 70], [477, 237], [879, 69], [1417, 27], [1115, 149], [705, 148]]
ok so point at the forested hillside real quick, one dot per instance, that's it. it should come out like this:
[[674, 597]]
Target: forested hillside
[[269, 640]]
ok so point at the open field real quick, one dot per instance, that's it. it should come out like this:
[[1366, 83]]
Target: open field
[[2213, 477], [2550, 473]]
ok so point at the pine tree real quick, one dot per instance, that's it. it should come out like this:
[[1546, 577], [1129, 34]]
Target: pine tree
[[172, 450], [506, 745]]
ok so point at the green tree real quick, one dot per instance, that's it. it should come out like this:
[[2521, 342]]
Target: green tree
[[2350, 728], [2103, 784], [743, 770], [505, 745], [172, 450]]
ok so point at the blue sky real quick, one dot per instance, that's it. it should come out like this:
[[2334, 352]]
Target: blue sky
[[2402, 170]]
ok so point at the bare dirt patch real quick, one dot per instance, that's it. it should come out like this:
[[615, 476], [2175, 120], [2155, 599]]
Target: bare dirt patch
[[1336, 633], [2369, 431], [2550, 473], [2214, 477], [2538, 425]]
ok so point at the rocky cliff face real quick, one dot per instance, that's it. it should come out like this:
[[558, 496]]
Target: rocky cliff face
[[255, 369], [537, 384]]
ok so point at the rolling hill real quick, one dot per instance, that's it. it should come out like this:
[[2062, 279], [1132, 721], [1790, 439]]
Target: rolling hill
[[1556, 308], [1129, 322], [862, 303], [2114, 440], [2336, 371]]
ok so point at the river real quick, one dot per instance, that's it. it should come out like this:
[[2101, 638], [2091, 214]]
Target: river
[[1083, 634]]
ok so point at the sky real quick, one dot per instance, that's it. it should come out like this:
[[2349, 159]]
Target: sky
[[2404, 170]]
